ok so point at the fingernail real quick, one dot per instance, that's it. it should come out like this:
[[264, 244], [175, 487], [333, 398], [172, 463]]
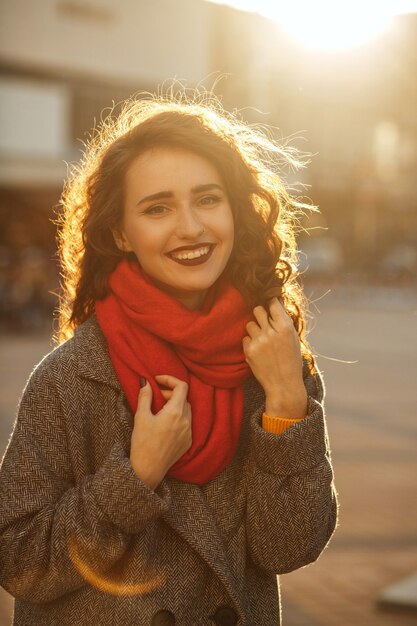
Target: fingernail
[[142, 381]]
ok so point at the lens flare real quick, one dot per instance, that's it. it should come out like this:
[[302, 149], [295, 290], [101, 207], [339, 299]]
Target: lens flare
[[107, 584]]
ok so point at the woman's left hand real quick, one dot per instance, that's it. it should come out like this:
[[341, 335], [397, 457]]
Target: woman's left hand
[[272, 350]]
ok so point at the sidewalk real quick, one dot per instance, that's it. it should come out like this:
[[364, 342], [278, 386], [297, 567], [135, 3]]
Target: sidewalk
[[372, 423]]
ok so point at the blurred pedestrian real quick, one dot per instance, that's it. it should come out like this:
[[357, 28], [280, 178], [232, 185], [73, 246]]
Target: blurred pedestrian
[[28, 293], [170, 458]]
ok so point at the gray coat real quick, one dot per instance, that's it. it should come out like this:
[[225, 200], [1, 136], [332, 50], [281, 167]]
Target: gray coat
[[84, 542]]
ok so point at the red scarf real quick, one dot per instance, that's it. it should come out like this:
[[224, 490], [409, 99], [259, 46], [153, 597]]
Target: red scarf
[[149, 332]]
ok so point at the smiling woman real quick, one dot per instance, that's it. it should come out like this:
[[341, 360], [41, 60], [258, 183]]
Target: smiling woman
[[170, 457], [183, 221]]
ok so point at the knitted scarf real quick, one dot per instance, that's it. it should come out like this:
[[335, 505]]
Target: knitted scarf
[[148, 333]]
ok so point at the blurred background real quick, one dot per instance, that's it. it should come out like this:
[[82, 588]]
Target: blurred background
[[335, 79]]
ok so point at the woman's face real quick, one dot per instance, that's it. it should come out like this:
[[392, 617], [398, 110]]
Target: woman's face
[[178, 221]]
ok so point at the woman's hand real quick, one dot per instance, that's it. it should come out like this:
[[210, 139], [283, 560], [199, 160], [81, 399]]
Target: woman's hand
[[272, 350], [158, 441]]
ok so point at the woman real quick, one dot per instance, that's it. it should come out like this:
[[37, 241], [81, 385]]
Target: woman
[[170, 458]]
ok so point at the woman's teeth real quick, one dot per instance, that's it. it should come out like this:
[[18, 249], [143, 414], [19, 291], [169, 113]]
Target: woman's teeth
[[192, 254]]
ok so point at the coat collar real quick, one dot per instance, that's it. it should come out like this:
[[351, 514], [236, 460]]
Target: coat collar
[[93, 356]]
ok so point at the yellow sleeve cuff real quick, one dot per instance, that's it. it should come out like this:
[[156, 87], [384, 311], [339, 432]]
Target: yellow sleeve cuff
[[277, 425]]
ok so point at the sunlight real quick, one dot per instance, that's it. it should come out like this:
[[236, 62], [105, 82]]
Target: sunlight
[[331, 25], [327, 24]]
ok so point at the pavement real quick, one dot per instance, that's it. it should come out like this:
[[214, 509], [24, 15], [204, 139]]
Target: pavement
[[368, 346], [372, 423]]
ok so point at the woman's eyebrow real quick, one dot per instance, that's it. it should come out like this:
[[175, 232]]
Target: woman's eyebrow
[[206, 187], [160, 195], [163, 195]]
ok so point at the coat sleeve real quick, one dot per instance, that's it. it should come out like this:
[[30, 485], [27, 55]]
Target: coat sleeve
[[55, 534], [291, 498]]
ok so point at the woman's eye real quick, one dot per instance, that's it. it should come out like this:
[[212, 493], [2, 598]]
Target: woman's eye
[[155, 210], [209, 199]]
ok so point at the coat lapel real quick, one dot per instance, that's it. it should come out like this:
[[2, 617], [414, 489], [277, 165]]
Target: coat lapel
[[189, 516], [93, 358]]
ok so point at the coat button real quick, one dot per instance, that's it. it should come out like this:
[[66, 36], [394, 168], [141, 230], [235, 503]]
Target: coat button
[[163, 618], [225, 616]]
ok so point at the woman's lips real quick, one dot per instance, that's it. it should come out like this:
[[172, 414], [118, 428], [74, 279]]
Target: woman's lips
[[206, 252]]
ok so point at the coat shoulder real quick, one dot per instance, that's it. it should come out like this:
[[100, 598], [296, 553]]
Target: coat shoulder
[[85, 355]]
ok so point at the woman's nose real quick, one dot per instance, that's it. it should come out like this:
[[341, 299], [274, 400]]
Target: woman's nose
[[189, 226]]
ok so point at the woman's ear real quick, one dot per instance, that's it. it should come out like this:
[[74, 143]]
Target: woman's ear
[[121, 241]]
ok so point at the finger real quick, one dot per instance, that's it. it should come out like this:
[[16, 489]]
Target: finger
[[179, 388], [168, 380], [261, 316], [252, 329], [166, 393], [145, 398], [276, 307], [278, 313], [246, 341]]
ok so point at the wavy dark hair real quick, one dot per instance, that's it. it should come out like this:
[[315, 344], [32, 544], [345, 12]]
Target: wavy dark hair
[[266, 215]]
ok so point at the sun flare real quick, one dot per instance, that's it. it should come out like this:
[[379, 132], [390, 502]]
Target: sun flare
[[331, 25], [327, 24]]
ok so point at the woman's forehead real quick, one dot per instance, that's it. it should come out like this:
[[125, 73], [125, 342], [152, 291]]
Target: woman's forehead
[[172, 166]]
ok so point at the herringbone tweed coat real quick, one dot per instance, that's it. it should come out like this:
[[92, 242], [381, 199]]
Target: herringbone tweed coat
[[84, 542]]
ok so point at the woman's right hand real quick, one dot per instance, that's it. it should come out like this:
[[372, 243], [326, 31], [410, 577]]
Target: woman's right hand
[[158, 441]]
